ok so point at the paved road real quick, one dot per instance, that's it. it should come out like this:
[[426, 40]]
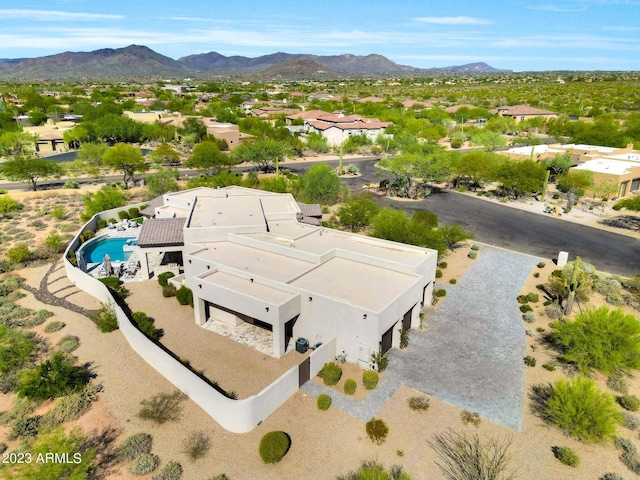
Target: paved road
[[514, 229]]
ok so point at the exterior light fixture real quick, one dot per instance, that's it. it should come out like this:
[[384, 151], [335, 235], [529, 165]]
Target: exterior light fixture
[[310, 298], [266, 309], [364, 316]]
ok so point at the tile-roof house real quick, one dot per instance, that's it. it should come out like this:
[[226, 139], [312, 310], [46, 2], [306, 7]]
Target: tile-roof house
[[337, 128], [520, 113]]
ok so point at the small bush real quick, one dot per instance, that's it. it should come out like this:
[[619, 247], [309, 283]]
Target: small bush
[[526, 308], [52, 378], [134, 446], [631, 421], [438, 273], [184, 296], [69, 343], [196, 445], [566, 456], [54, 326], [134, 212], [163, 278], [171, 471], [274, 446], [377, 430], [529, 317], [18, 254], [324, 401], [549, 366], [146, 326], [617, 383], [536, 275], [105, 319], [71, 407], [522, 299], [529, 361], [331, 373], [101, 223], [123, 215], [370, 379], [439, 293], [420, 404], [541, 264], [24, 427], [470, 418], [553, 311], [475, 247], [169, 291], [144, 464], [626, 445], [629, 402], [453, 281], [611, 476], [443, 265], [71, 184], [163, 407], [473, 254], [350, 386], [533, 297]]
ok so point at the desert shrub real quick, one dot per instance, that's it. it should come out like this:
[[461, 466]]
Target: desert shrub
[[541, 264], [566, 456], [629, 402], [54, 326], [420, 404], [475, 247], [23, 427], [324, 401], [549, 366], [617, 383], [145, 325], [601, 339], [101, 223], [526, 308], [438, 273], [377, 430], [370, 470], [553, 310], [522, 299], [439, 293], [134, 212], [135, 445], [71, 184], [616, 299], [370, 379], [536, 275], [196, 445], [529, 316], [171, 471], [453, 281], [88, 234], [18, 254], [631, 421], [144, 464], [350, 386], [473, 254], [533, 297], [607, 286], [611, 476], [629, 455], [274, 446], [105, 318], [70, 407], [579, 408], [530, 361], [169, 291], [123, 215], [115, 286], [632, 203], [52, 378], [163, 278], [380, 361], [331, 373], [443, 265], [470, 418], [69, 343], [184, 296], [162, 407], [625, 445]]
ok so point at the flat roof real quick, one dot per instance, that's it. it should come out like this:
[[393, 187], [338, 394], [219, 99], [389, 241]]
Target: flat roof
[[356, 283], [253, 260], [254, 289], [613, 167], [234, 210]]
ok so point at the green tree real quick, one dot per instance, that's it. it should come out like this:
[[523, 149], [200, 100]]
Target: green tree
[[394, 225], [520, 178], [16, 143], [29, 169], [162, 181], [194, 128], [92, 153], [601, 339], [52, 378], [265, 154], [104, 199], [478, 167], [320, 184], [208, 158], [126, 158], [114, 128], [575, 182], [453, 234], [356, 212], [489, 139], [317, 142], [165, 154], [560, 164]]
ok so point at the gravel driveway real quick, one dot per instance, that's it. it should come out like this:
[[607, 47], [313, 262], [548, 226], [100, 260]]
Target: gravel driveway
[[471, 354]]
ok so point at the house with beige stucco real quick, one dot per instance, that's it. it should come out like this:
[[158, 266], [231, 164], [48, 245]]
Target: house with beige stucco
[[248, 257]]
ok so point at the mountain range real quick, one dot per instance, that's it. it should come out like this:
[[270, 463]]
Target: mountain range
[[137, 61]]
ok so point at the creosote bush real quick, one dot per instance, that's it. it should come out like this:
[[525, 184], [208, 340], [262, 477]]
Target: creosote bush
[[331, 373], [324, 401], [350, 386], [144, 464], [420, 404], [196, 445], [274, 446], [377, 430], [530, 361], [163, 407], [470, 418], [566, 456], [370, 379]]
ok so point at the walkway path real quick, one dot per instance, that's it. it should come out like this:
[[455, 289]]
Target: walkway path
[[471, 354]]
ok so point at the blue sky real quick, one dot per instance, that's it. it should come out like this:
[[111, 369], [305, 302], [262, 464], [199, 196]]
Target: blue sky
[[516, 35]]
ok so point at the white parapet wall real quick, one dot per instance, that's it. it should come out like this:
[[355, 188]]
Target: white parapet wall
[[237, 416]]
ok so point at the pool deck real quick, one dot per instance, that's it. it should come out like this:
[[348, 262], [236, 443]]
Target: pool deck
[[94, 269]]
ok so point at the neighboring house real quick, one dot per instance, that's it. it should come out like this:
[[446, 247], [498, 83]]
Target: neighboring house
[[225, 131], [416, 103], [615, 166], [371, 99], [520, 113], [248, 257], [270, 112], [337, 128]]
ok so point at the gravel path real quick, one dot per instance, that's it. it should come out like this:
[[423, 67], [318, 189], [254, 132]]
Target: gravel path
[[471, 354]]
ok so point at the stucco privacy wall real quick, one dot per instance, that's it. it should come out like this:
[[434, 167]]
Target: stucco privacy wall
[[237, 416]]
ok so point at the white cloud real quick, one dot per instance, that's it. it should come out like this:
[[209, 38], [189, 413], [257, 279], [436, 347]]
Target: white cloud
[[580, 41], [55, 15], [557, 8], [460, 20]]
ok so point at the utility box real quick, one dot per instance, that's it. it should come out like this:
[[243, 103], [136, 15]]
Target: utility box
[[302, 345]]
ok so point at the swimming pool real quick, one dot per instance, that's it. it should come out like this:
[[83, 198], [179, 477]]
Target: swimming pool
[[115, 247]]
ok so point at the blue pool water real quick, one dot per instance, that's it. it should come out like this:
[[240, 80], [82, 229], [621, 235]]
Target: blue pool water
[[95, 252]]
